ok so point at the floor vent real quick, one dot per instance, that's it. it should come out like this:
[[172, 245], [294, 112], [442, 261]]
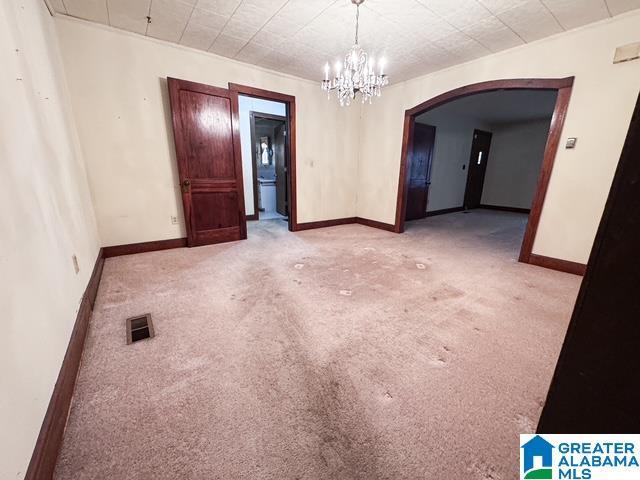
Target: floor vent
[[139, 328]]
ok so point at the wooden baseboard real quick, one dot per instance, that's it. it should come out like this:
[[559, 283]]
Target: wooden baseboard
[[324, 223], [252, 217], [557, 264], [375, 224], [444, 211], [130, 248], [45, 453], [506, 209], [344, 221]]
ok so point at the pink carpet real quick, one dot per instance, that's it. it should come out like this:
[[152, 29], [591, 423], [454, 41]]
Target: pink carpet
[[339, 353]]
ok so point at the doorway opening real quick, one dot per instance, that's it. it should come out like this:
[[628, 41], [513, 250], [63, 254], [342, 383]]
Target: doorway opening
[[267, 135], [269, 164], [484, 146]]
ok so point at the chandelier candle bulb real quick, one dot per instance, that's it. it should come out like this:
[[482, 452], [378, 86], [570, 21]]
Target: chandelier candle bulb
[[358, 75]]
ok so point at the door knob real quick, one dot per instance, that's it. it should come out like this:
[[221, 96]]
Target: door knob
[[185, 185]]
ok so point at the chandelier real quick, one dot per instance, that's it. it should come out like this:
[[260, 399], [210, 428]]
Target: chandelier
[[357, 75]]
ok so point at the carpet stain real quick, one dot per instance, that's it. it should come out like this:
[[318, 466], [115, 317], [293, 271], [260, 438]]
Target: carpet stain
[[525, 424], [259, 371]]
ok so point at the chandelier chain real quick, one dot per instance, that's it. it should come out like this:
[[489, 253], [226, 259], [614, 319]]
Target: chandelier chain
[[357, 21]]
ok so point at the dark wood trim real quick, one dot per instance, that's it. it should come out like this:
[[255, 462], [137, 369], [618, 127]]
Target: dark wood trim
[[131, 248], [346, 221], [557, 264], [254, 168], [553, 141], [261, 93], [45, 453], [268, 116], [290, 102], [444, 211], [492, 85], [562, 85], [375, 224], [324, 223], [403, 180], [505, 209]]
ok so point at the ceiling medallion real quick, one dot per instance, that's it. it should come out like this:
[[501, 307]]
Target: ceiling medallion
[[357, 75]]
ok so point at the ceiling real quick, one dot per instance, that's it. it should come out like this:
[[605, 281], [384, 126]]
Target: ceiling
[[495, 108], [298, 36]]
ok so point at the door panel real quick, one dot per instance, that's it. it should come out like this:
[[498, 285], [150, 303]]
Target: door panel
[[205, 125], [477, 168], [279, 149], [419, 170]]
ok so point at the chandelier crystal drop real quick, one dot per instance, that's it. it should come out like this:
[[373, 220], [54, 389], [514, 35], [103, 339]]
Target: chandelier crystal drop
[[357, 75]]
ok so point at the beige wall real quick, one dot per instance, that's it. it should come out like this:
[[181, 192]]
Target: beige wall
[[119, 96], [601, 105], [514, 162], [454, 136], [45, 218]]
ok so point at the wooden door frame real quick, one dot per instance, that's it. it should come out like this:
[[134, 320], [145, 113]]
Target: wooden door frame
[[254, 167], [290, 102], [562, 85], [466, 187]]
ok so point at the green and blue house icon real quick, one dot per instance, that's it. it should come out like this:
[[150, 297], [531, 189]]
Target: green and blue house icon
[[537, 447]]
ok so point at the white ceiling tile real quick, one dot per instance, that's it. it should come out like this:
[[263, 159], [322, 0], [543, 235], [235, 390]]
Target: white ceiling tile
[[254, 53], [299, 36], [531, 21], [129, 15], [462, 47], [227, 46], [58, 6], [168, 19], [199, 36], [616, 7], [208, 19], [574, 13], [295, 14], [414, 18], [268, 39], [493, 34], [499, 6], [221, 7], [461, 13], [250, 16], [94, 10]]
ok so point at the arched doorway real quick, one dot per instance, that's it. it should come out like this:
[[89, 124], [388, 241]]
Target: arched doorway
[[562, 85]]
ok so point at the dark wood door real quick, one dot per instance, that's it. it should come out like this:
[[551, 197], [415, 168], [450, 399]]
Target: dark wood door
[[279, 152], [595, 385], [419, 170], [205, 126], [477, 168]]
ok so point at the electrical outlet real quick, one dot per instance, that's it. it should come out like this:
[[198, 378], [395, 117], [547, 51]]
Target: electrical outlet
[[76, 267], [174, 220]]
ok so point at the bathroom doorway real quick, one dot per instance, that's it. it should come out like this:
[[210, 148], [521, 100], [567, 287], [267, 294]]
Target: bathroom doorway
[[267, 124], [269, 164]]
